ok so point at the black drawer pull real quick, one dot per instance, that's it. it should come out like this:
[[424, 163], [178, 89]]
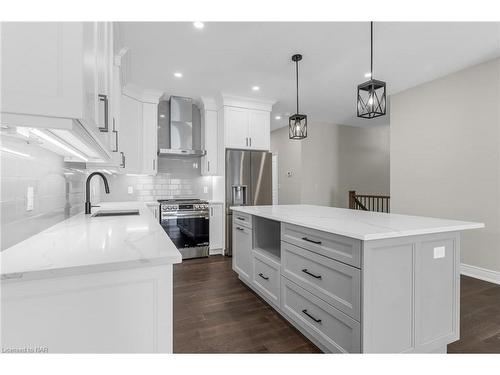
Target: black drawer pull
[[308, 240], [311, 274], [264, 277], [239, 228], [310, 316], [241, 218]]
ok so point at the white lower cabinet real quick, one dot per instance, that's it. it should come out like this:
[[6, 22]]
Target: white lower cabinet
[[154, 207], [266, 276], [336, 331], [216, 228], [319, 295], [242, 251]]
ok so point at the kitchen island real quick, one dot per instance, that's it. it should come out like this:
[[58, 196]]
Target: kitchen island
[[91, 284], [354, 281]]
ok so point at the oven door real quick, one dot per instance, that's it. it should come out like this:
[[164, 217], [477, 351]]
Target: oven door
[[186, 229]]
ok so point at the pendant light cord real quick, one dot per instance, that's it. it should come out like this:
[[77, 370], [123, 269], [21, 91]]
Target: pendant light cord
[[297, 83], [371, 49]]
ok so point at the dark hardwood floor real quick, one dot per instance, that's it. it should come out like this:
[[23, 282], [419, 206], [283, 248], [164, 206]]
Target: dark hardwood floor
[[479, 317], [214, 312]]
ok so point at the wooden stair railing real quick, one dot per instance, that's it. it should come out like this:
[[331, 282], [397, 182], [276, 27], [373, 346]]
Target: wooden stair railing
[[365, 202]]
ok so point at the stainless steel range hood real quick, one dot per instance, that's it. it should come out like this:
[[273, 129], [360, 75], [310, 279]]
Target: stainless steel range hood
[[179, 128]]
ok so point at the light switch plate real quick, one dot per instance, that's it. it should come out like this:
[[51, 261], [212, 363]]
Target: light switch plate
[[130, 190], [30, 198], [439, 252]]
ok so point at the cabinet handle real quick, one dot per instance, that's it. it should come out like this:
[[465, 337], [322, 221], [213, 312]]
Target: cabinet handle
[[309, 240], [310, 316], [240, 218], [311, 274], [123, 160], [208, 165], [104, 98], [264, 277], [116, 136], [154, 164], [238, 228], [250, 141]]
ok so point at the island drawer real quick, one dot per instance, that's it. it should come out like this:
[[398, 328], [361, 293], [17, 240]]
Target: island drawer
[[341, 248], [334, 329], [334, 282], [266, 277], [241, 218]]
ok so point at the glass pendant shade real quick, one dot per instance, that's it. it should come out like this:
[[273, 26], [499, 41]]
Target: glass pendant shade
[[297, 126], [371, 99], [371, 94], [297, 123]]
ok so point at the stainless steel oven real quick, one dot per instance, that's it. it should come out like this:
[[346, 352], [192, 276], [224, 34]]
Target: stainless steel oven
[[186, 221]]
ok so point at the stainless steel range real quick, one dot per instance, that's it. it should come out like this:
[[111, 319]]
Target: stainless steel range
[[186, 222]]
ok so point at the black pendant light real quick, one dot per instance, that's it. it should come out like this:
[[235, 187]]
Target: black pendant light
[[371, 94], [297, 123]]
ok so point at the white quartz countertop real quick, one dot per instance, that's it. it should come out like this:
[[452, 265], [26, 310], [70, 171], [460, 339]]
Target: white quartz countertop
[[362, 225], [84, 244]]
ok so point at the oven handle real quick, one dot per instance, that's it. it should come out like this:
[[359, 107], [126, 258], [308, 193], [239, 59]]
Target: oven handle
[[170, 215]]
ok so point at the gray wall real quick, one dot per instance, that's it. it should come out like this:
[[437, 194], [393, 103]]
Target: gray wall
[[445, 155], [58, 191], [289, 160], [332, 160]]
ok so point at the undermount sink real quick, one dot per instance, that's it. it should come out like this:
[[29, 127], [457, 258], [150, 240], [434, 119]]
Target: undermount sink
[[115, 213]]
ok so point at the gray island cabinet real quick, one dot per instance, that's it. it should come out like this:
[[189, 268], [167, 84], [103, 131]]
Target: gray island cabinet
[[354, 281]]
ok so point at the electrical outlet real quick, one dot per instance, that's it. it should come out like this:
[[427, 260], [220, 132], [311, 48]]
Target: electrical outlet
[[205, 189], [439, 252], [30, 198], [130, 190]]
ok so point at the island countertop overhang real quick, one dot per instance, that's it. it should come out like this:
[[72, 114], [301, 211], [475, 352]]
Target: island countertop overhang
[[361, 225]]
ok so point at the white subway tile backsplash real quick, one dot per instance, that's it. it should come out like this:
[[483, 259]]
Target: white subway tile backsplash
[[56, 195]]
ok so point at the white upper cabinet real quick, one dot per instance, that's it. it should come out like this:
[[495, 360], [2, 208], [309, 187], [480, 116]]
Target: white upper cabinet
[[43, 68], [236, 121], [246, 123], [209, 138], [54, 76], [259, 129], [138, 140]]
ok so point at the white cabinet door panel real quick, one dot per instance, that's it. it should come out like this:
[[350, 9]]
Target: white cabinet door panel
[[242, 251], [259, 129], [216, 225], [42, 68], [236, 127]]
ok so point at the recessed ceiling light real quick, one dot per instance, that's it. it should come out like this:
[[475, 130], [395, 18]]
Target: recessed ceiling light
[[368, 75], [255, 88], [278, 117], [178, 74], [198, 25]]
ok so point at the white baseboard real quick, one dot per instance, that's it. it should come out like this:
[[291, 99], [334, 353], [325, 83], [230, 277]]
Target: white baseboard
[[215, 251], [480, 273]]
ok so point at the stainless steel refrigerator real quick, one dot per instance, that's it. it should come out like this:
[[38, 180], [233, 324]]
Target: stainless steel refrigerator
[[248, 183]]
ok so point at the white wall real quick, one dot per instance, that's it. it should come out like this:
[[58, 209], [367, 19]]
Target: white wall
[[445, 158], [332, 160]]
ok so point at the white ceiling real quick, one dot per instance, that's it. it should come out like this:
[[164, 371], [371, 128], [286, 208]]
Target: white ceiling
[[232, 57]]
